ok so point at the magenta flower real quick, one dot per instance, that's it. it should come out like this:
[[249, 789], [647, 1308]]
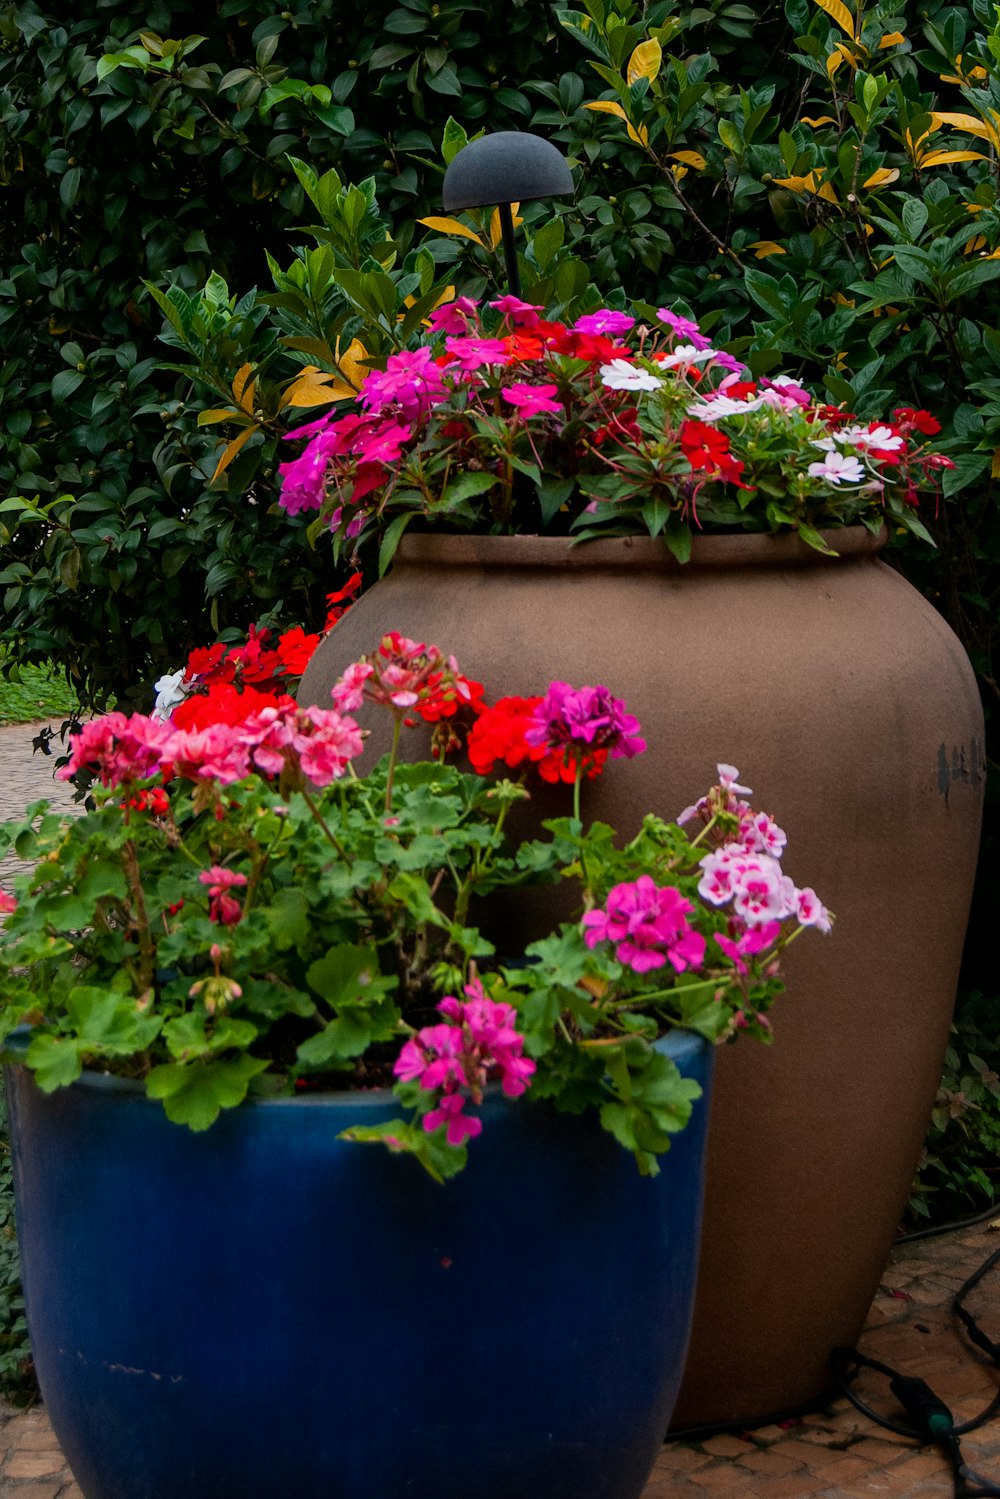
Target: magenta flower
[[530, 400], [521, 314], [476, 1042], [474, 353], [606, 321], [648, 923], [449, 1113], [585, 719], [810, 910], [684, 328], [411, 382], [453, 317]]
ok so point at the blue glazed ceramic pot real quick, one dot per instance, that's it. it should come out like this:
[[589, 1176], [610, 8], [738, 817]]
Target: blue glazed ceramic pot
[[264, 1310]]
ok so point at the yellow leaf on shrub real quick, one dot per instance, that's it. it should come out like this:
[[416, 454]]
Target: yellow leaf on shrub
[[941, 158], [891, 39], [880, 178], [690, 159], [822, 120], [240, 380], [452, 226], [349, 362], [607, 107], [315, 387], [231, 449], [762, 248], [837, 11], [995, 468], [639, 134], [645, 61], [217, 414]]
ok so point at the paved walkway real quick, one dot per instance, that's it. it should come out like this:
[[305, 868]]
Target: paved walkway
[[834, 1454], [830, 1455], [25, 778]]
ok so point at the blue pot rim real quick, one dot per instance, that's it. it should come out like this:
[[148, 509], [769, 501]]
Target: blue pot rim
[[678, 1044]]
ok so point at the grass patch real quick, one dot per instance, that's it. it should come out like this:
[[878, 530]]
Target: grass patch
[[40, 692]]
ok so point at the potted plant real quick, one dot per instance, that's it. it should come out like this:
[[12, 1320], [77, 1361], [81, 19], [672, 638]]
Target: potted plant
[[426, 1246], [620, 500]]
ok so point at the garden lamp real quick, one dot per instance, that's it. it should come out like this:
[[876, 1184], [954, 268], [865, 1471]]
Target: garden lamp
[[511, 166]]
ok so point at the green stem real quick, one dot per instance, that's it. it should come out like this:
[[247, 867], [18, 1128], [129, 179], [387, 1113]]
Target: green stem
[[397, 730], [327, 834]]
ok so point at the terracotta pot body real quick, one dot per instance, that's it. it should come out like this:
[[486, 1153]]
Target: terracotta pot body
[[851, 709]]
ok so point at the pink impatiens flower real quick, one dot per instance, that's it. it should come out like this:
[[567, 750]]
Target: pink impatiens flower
[[648, 923], [683, 327], [530, 400], [606, 321], [411, 382]]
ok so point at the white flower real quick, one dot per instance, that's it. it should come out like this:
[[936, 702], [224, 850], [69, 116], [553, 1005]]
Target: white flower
[[838, 468], [170, 691], [720, 406], [876, 437], [685, 354], [621, 375]]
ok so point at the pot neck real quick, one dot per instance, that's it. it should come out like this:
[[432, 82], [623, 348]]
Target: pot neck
[[637, 553]]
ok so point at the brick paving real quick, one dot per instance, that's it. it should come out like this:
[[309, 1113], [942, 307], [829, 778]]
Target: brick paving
[[835, 1453]]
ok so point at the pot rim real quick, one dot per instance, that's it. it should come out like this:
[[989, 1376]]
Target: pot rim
[[677, 1043], [636, 553]]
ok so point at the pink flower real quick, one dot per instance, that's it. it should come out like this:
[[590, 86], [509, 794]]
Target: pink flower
[[222, 907], [759, 833], [478, 1040], [530, 400], [472, 353], [453, 317], [729, 778], [605, 321], [521, 314], [584, 719], [649, 924], [810, 910], [449, 1112], [411, 382], [119, 748], [216, 753], [348, 690], [786, 391], [683, 327], [7, 903], [761, 893], [747, 942]]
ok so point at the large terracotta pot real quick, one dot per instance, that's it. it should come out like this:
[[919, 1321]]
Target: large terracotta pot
[[849, 706]]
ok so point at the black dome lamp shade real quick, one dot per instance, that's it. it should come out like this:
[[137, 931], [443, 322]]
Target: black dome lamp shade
[[511, 166]]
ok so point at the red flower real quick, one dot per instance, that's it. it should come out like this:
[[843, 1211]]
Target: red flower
[[593, 347], [204, 661], [295, 650], [335, 600], [223, 703], [706, 448], [917, 421], [499, 734]]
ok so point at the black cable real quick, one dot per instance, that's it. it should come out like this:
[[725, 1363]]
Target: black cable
[[993, 1211], [933, 1421]]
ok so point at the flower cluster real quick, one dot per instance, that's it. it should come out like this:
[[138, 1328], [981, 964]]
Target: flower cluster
[[260, 905], [743, 871], [270, 665], [650, 421], [567, 732], [316, 744], [477, 1042]]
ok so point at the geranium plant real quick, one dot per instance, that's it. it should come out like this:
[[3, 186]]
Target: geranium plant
[[505, 421], [245, 910]]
